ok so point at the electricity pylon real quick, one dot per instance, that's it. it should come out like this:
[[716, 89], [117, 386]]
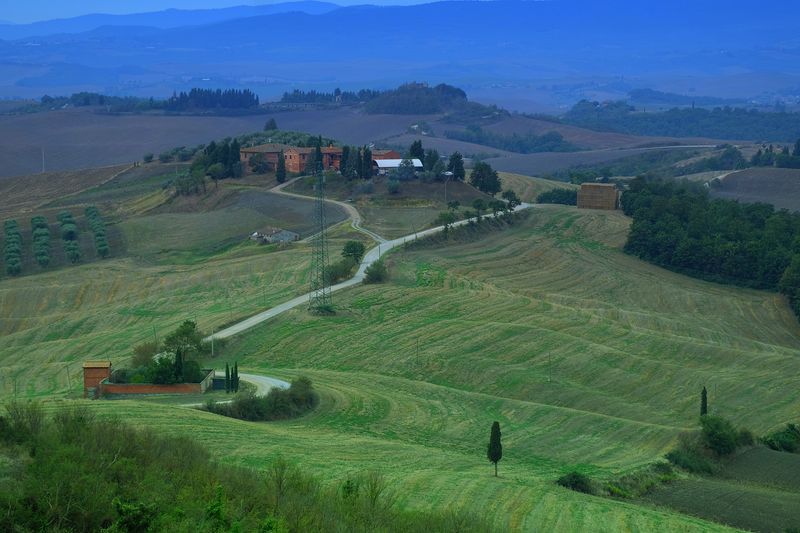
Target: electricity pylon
[[320, 296]]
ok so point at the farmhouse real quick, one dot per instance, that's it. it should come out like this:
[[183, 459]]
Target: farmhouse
[[598, 196], [297, 157], [269, 152], [384, 166]]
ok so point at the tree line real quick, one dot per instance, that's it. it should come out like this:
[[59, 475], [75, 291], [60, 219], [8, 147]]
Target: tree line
[[298, 96], [721, 122], [527, 143], [203, 99], [417, 98], [677, 225], [781, 157]]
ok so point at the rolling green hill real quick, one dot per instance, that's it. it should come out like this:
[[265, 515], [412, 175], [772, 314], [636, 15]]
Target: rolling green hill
[[590, 359]]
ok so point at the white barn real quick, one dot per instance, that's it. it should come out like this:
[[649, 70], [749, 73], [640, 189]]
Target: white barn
[[383, 166]]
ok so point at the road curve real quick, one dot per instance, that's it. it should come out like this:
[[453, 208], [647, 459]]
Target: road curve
[[369, 258], [355, 216]]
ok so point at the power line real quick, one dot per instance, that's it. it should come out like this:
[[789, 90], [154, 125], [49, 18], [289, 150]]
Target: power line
[[320, 296]]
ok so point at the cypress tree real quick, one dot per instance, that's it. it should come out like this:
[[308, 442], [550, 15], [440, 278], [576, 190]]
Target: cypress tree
[[495, 450], [704, 402], [178, 366], [235, 377], [227, 378], [345, 161], [280, 169], [366, 163]]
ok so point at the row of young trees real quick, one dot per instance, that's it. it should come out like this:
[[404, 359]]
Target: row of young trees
[[69, 236], [12, 249], [98, 227], [678, 226]]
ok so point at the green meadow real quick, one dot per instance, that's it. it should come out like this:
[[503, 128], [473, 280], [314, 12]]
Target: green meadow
[[591, 360]]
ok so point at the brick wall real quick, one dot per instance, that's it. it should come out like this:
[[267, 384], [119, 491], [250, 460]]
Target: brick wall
[[151, 388]]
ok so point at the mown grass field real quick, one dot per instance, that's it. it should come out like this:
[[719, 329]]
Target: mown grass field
[[528, 188], [590, 360]]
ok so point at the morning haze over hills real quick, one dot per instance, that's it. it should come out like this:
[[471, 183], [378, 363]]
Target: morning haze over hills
[[452, 266]]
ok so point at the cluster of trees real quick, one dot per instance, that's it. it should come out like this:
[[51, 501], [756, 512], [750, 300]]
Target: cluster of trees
[[175, 360], [12, 249], [352, 253], [769, 156], [786, 439], [730, 159], [40, 232], [527, 143], [377, 272], [721, 122], [558, 196], [480, 206], [205, 99], [232, 377], [98, 227], [356, 162], [69, 236], [155, 482], [320, 97], [484, 178], [292, 138], [678, 226], [219, 161], [278, 404], [417, 98]]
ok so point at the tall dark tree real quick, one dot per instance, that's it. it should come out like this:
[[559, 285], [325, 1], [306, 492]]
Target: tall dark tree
[[227, 378], [235, 377], [495, 450], [343, 169], [430, 160], [416, 151], [703, 402], [179, 365], [796, 151], [366, 163], [271, 125], [485, 179], [456, 166], [280, 168]]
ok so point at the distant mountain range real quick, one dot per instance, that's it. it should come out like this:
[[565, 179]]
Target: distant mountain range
[[170, 18], [560, 50]]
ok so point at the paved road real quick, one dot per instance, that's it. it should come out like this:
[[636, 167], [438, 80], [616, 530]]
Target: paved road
[[263, 383], [369, 258]]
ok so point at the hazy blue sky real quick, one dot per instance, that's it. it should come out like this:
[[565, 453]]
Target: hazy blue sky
[[33, 10]]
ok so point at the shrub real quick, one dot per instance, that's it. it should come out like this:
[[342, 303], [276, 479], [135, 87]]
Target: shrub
[[165, 157], [278, 404], [784, 440], [148, 158], [690, 460], [376, 272], [577, 482], [393, 186], [558, 196], [340, 270], [72, 251], [719, 435]]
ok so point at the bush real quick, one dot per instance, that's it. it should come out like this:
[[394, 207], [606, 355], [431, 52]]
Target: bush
[[376, 272], [719, 435], [690, 461], [784, 440], [393, 186], [165, 157], [278, 404], [340, 270], [577, 482], [148, 158], [558, 196]]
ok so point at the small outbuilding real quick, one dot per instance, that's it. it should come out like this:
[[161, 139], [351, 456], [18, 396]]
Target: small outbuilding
[[94, 373], [598, 196], [384, 166]]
